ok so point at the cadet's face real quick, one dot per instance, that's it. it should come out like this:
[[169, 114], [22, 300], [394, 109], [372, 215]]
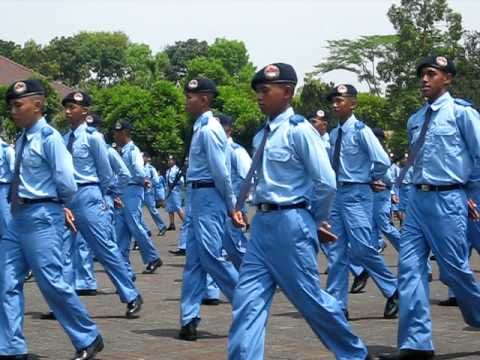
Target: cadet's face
[[320, 125], [171, 162], [74, 113], [119, 137], [25, 111], [195, 104], [343, 106], [272, 99], [434, 82]]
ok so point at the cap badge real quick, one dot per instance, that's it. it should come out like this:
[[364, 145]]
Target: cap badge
[[342, 89], [89, 119], [320, 113], [193, 84], [271, 72], [441, 61], [20, 87], [78, 97], [118, 125]]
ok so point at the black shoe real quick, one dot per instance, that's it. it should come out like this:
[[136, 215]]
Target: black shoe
[[408, 354], [189, 331], [382, 248], [433, 258], [152, 266], [14, 357], [91, 350], [178, 252], [347, 315], [391, 307], [134, 307], [359, 282], [449, 302], [162, 231], [171, 227], [86, 292], [28, 277], [47, 316], [430, 278], [369, 357], [210, 302], [149, 233], [135, 247]]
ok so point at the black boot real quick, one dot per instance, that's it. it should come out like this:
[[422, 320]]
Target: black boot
[[189, 331], [391, 307], [359, 282]]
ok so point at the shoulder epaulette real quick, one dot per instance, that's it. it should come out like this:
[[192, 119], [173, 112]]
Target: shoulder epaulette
[[463, 102], [359, 125], [296, 119], [204, 121], [47, 131], [235, 145], [4, 144], [91, 130]]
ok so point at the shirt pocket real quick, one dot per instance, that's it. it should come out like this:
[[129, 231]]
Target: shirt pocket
[[446, 139], [32, 158], [278, 154]]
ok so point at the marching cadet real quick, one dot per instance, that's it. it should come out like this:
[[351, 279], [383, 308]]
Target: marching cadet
[[359, 162], [173, 202], [121, 177], [444, 138], [294, 188], [7, 167], [212, 199], [238, 164], [93, 174], [405, 190], [43, 180], [131, 221], [151, 175], [320, 122]]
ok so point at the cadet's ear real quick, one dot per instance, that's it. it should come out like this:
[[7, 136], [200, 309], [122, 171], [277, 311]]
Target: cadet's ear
[[448, 79], [353, 103]]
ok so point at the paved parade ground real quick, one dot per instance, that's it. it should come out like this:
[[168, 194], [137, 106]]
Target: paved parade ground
[[154, 334]]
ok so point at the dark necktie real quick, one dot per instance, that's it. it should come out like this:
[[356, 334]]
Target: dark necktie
[[336, 151], [71, 140], [416, 147], [14, 196], [257, 160]]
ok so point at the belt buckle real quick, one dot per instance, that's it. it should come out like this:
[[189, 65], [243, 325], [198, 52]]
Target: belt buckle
[[264, 207], [425, 187]]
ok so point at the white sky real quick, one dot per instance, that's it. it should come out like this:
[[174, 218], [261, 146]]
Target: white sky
[[292, 31]]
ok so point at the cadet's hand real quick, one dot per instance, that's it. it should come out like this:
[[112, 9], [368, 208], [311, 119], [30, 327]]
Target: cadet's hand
[[378, 186], [117, 203], [158, 204], [324, 234], [237, 218], [395, 199], [70, 219], [472, 210]]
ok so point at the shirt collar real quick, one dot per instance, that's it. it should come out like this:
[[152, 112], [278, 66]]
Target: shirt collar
[[127, 146], [347, 125], [279, 119], [441, 101], [80, 128], [39, 125], [198, 122]]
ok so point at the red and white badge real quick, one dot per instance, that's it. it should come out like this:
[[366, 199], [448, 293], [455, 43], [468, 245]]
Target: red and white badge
[[320, 113], [78, 97], [193, 84], [271, 72], [20, 87], [441, 61], [342, 89]]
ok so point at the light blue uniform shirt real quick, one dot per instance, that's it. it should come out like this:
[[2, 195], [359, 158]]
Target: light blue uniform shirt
[[7, 162], [120, 171], [452, 143], [408, 179], [90, 157], [326, 141], [152, 175], [133, 158], [362, 157], [46, 169], [239, 163], [171, 175], [207, 158], [295, 166]]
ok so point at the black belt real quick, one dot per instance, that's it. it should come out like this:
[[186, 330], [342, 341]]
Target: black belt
[[88, 184], [5, 183], [135, 185], [342, 183], [26, 201], [202, 184], [428, 188], [263, 207]]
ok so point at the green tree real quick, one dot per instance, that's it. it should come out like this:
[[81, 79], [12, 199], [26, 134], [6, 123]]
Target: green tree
[[180, 54], [360, 56], [209, 68], [467, 82], [232, 54], [311, 97]]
